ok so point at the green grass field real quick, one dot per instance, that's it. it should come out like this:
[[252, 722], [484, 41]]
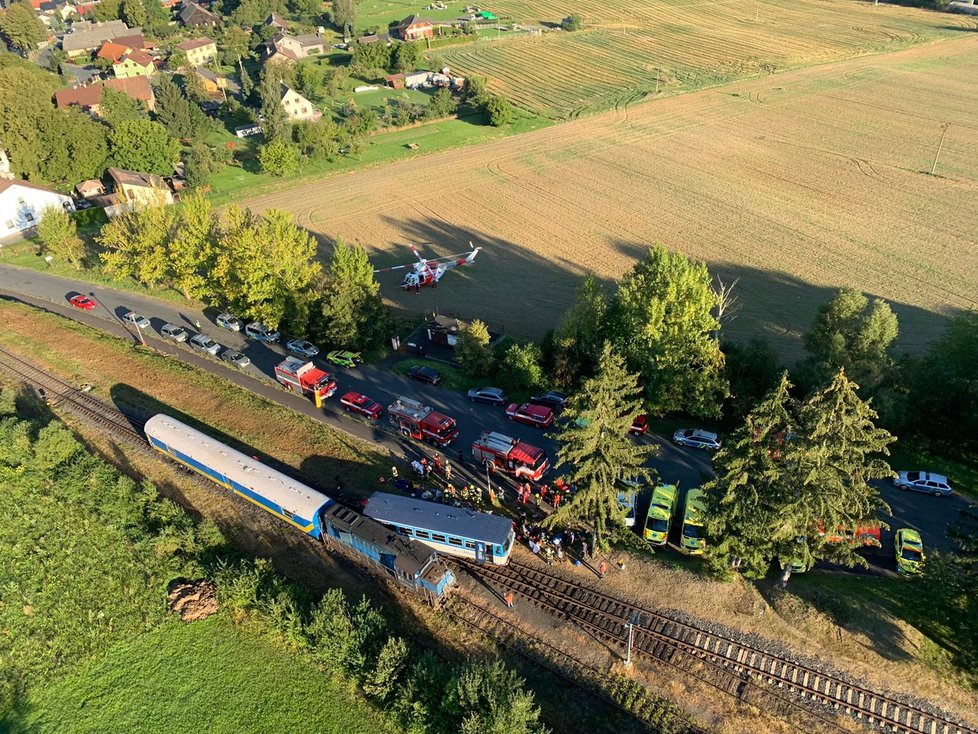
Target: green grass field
[[207, 676]]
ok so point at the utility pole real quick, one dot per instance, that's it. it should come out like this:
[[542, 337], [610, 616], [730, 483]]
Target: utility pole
[[633, 619], [940, 145]]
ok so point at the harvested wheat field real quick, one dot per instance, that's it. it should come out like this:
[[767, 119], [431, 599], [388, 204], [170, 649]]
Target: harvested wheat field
[[796, 183], [687, 44]]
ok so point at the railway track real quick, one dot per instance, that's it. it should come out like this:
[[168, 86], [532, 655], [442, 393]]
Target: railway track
[[733, 665]]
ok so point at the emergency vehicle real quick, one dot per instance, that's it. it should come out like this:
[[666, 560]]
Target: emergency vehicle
[[421, 422], [865, 532], [510, 455], [306, 378]]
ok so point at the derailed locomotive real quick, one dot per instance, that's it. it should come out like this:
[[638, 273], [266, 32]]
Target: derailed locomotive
[[411, 564]]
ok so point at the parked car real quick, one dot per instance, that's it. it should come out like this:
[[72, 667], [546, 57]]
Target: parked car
[[174, 333], [640, 425], [83, 204], [302, 348], [344, 359], [552, 399], [626, 501], [692, 539], [533, 415], [236, 358], [424, 374], [204, 343], [140, 321], [922, 481], [697, 439], [490, 395], [85, 303], [258, 331], [909, 551], [354, 402], [229, 322]]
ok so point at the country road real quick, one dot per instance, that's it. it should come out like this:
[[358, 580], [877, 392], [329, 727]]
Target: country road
[[674, 464]]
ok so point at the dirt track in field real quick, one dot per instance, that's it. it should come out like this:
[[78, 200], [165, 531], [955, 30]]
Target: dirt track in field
[[795, 183]]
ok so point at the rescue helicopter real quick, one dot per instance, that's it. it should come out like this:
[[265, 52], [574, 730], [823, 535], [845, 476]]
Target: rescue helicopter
[[429, 272]]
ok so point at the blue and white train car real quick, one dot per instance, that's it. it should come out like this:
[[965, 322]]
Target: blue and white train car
[[271, 490], [411, 564], [453, 530]]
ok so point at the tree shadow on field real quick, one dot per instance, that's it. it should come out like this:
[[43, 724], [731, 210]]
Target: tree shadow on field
[[524, 293]]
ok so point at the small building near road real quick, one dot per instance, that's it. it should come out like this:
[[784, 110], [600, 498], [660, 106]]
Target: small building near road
[[90, 189], [136, 188], [199, 51], [414, 28], [285, 47], [134, 63], [394, 81], [276, 21], [215, 84], [22, 205]]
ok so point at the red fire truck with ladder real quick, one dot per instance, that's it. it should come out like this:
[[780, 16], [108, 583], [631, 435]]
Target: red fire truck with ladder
[[305, 378], [421, 422], [499, 452]]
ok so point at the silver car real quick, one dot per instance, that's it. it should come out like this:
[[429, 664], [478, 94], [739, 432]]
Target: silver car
[[174, 332], [302, 348], [229, 322], [140, 321], [922, 481], [696, 439], [236, 358], [258, 330], [204, 343]]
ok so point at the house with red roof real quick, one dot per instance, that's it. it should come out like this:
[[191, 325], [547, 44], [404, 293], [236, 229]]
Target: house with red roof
[[89, 98]]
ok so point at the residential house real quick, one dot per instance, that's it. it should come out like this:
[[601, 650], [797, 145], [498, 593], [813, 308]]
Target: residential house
[[373, 38], [134, 63], [298, 107], [22, 205], [89, 98], [215, 84], [193, 14], [284, 47], [135, 188], [90, 189], [115, 48], [86, 36], [276, 21], [414, 28], [199, 51]]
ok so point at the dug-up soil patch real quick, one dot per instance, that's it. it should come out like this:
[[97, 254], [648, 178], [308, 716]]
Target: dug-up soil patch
[[192, 600]]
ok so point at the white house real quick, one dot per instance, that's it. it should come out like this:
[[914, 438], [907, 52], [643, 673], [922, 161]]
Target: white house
[[22, 205], [298, 107]]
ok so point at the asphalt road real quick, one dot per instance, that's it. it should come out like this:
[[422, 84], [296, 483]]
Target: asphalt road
[[687, 467]]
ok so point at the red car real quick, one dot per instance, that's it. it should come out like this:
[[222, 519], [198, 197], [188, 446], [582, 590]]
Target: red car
[[533, 415], [640, 425], [357, 403], [85, 303]]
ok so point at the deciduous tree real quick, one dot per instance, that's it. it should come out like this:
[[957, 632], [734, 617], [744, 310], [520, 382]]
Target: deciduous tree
[[596, 448], [182, 119], [279, 157], [661, 319], [343, 14], [193, 86], [143, 145], [59, 236], [75, 147], [19, 24], [135, 244], [520, 368], [472, 350], [353, 314], [498, 110], [579, 336], [488, 697], [117, 108], [275, 123], [193, 247], [134, 13], [405, 56]]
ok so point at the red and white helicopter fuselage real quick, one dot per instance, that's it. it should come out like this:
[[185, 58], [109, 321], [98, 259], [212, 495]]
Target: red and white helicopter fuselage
[[429, 272]]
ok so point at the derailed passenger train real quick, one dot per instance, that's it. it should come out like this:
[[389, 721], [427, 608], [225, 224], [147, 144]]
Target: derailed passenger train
[[413, 565]]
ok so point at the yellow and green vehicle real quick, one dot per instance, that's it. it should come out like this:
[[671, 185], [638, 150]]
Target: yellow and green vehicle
[[909, 551], [692, 538], [659, 518]]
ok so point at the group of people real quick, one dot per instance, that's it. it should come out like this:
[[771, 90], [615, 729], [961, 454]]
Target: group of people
[[555, 546], [551, 495]]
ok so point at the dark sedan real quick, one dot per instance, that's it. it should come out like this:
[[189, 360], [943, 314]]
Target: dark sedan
[[551, 399], [424, 374]]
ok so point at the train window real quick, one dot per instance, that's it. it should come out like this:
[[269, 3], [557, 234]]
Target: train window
[[470, 545], [288, 514], [421, 534], [455, 541], [438, 538]]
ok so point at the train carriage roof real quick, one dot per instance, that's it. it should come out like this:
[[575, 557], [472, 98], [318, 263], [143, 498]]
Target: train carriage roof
[[445, 519], [284, 491]]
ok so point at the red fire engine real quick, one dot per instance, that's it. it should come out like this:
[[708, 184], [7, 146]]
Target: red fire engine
[[496, 451], [865, 532], [305, 378], [421, 422]]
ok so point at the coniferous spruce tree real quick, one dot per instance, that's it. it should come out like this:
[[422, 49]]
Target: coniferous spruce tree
[[745, 500], [595, 444]]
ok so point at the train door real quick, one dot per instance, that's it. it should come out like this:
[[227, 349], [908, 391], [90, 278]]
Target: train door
[[480, 552]]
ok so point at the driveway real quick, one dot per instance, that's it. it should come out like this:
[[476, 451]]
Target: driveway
[[687, 467]]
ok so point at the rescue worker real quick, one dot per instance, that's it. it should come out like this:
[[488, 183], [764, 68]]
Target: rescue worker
[[509, 599], [448, 472], [461, 458], [437, 462], [394, 473], [602, 568]]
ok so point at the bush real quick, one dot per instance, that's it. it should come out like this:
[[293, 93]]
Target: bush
[[573, 22], [521, 368], [279, 158]]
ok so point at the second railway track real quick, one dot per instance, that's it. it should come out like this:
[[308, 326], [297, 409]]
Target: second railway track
[[685, 646]]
